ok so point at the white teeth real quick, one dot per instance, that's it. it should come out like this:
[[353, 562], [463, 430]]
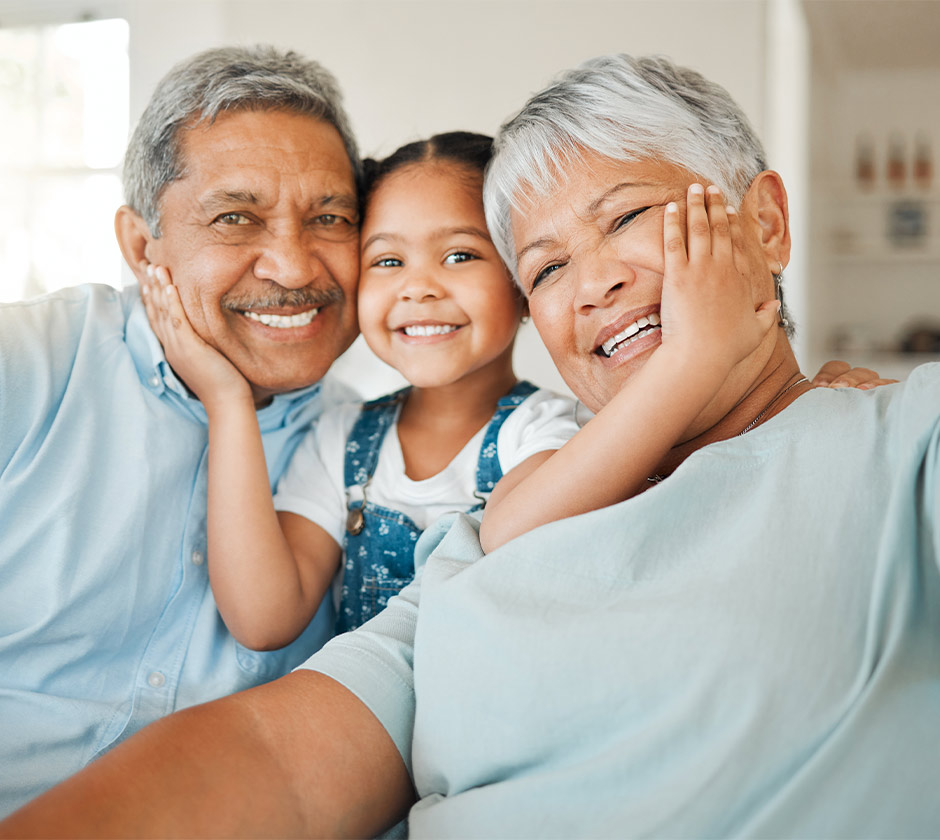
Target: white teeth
[[651, 320], [423, 330], [282, 322]]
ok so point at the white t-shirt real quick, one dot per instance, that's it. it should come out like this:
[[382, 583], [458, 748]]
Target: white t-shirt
[[314, 487]]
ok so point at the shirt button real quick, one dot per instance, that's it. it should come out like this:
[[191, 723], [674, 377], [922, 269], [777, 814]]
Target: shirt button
[[154, 381], [156, 679], [197, 558]]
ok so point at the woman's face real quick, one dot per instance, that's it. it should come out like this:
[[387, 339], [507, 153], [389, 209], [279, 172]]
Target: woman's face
[[590, 260]]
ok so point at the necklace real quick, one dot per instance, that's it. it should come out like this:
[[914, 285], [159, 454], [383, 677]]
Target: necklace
[[767, 407], [655, 479]]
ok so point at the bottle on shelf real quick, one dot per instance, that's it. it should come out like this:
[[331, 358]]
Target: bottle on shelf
[[896, 170], [923, 162], [864, 162]]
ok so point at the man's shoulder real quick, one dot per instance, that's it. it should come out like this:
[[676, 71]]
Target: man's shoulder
[[68, 311]]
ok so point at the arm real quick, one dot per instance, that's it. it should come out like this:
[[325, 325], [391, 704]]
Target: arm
[[268, 574], [712, 325], [300, 756]]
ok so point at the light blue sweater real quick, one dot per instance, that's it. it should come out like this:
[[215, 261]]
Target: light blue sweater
[[751, 648]]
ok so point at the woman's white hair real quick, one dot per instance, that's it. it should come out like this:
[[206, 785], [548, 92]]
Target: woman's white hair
[[223, 79], [626, 109]]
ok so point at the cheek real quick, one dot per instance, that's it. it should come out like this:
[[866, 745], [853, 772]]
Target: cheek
[[554, 328], [371, 304]]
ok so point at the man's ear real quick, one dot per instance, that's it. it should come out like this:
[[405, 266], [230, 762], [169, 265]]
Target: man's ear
[[766, 205], [135, 239]]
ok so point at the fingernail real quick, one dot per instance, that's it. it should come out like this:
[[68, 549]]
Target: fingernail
[[731, 210], [698, 189], [672, 207], [713, 190], [149, 269]]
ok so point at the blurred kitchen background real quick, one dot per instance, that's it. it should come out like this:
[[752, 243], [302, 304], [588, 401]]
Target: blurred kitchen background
[[845, 94]]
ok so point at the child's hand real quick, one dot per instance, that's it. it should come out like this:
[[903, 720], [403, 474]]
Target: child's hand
[[708, 312], [206, 372]]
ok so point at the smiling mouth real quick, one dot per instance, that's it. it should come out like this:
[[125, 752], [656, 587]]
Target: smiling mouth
[[423, 330], [635, 331], [281, 322]]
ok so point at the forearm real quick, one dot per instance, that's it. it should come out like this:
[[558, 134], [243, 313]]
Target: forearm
[[254, 573], [298, 757], [610, 459]]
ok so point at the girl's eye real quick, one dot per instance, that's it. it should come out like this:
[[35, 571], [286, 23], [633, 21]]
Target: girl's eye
[[233, 219], [387, 262], [623, 221], [458, 257]]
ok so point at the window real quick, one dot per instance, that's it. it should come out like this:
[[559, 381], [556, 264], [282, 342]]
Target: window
[[64, 112]]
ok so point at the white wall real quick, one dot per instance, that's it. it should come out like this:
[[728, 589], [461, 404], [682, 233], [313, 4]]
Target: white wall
[[414, 67]]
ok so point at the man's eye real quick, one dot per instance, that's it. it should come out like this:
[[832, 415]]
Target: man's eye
[[623, 221], [459, 257], [331, 220], [233, 219]]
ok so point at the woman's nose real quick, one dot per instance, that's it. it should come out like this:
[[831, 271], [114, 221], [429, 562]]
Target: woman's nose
[[600, 280]]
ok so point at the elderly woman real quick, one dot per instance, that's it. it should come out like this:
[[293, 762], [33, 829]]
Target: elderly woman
[[751, 647]]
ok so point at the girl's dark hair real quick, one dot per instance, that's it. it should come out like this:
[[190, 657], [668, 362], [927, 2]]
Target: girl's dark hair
[[465, 148]]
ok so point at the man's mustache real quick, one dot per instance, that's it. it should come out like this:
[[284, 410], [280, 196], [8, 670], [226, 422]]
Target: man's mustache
[[306, 297]]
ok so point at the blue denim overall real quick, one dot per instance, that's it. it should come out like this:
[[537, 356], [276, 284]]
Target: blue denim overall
[[380, 542]]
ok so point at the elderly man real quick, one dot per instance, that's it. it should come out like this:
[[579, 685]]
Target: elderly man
[[675, 664], [241, 176]]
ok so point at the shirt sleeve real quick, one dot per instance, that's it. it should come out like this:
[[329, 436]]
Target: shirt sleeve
[[376, 663], [545, 420], [313, 485]]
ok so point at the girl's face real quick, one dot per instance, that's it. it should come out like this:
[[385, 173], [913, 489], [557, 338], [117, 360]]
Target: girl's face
[[435, 300]]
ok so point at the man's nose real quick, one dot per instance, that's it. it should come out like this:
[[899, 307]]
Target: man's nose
[[289, 258]]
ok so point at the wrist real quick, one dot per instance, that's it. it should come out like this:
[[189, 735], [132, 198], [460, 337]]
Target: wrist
[[231, 398]]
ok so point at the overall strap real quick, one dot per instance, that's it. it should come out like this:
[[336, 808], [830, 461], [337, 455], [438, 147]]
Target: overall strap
[[368, 432], [488, 468]]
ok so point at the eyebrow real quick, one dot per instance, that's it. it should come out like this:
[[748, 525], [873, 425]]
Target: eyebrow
[[470, 230], [221, 199]]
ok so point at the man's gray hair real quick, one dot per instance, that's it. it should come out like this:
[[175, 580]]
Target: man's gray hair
[[626, 109], [217, 80]]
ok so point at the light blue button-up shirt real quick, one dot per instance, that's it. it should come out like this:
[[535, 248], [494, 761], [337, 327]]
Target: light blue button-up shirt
[[107, 620]]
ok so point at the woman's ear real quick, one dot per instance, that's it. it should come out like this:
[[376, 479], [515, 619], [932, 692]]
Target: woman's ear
[[766, 204], [134, 238]]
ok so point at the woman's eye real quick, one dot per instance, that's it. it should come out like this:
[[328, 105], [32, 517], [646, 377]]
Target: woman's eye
[[328, 219], [459, 257], [544, 273], [623, 221]]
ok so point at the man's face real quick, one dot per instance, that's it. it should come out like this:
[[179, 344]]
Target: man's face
[[591, 263], [261, 237]]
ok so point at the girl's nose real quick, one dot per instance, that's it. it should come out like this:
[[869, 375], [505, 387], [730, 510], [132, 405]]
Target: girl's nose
[[418, 286]]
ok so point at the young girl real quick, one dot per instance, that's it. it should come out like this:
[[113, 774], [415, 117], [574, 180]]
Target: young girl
[[437, 303]]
